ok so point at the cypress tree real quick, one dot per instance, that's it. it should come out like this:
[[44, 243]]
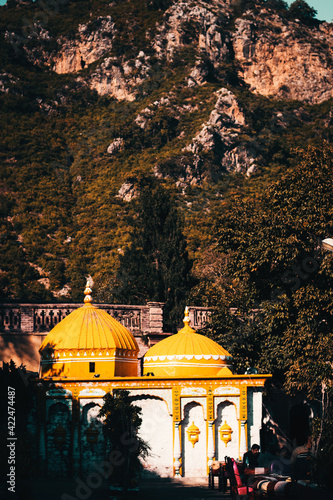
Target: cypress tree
[[156, 265]]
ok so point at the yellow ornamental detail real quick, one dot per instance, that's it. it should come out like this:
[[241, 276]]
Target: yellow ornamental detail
[[225, 433], [193, 434]]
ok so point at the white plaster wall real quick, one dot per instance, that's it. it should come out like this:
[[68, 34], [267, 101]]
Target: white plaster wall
[[156, 429], [194, 459], [226, 411], [254, 418]]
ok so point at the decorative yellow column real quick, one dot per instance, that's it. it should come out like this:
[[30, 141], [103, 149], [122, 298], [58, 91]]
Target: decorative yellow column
[[210, 446], [243, 420], [177, 452]]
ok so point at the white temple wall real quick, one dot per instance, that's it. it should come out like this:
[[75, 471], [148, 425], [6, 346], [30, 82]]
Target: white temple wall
[[194, 458], [226, 412], [156, 429], [254, 416]]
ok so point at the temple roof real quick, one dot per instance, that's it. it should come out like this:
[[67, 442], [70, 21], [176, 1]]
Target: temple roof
[[89, 328], [187, 353]]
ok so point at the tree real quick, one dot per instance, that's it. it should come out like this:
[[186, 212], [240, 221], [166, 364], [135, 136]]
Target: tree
[[156, 266], [121, 425], [302, 11], [278, 5], [279, 282]]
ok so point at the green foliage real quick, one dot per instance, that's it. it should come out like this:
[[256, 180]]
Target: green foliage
[[156, 267], [121, 422], [273, 264], [301, 10], [278, 5], [61, 218]]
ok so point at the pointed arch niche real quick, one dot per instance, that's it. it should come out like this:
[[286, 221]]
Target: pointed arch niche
[[226, 411], [194, 458], [156, 430], [92, 440]]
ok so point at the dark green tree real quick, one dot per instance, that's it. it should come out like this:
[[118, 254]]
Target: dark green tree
[[122, 421], [276, 296], [301, 10], [278, 5], [156, 265]]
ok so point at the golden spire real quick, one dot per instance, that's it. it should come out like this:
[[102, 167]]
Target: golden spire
[[186, 317], [88, 298]]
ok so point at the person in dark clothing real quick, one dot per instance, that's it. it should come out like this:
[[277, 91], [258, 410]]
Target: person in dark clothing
[[250, 458]]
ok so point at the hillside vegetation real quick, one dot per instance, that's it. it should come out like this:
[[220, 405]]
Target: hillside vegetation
[[98, 99]]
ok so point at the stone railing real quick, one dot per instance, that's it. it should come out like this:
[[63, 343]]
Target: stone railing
[[39, 318]]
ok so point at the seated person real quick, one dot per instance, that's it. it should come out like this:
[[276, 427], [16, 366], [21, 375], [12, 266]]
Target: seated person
[[302, 451], [250, 458], [302, 461]]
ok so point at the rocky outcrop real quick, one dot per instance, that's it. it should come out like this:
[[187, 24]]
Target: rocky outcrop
[[7, 82], [224, 123], [92, 41], [127, 191], [282, 59], [241, 159], [275, 56], [198, 23], [198, 75], [120, 79], [109, 79], [116, 145], [221, 133]]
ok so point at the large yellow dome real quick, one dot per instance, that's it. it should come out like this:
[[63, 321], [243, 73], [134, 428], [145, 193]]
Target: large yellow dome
[[187, 354], [89, 343]]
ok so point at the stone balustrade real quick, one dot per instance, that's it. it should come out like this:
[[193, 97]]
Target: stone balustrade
[[24, 326], [41, 318]]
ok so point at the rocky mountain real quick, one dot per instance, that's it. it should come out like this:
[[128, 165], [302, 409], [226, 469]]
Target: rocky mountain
[[207, 97]]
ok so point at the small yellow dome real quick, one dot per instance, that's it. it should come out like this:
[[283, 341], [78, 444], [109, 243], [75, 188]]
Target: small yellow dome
[[187, 354], [89, 343]]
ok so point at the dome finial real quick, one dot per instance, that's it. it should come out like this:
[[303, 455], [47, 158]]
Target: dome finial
[[186, 317], [88, 298]]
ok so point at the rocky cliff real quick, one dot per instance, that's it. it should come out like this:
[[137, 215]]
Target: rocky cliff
[[282, 59], [96, 97], [274, 56]]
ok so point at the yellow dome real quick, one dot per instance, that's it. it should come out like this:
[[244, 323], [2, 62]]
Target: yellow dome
[[89, 343], [187, 354]]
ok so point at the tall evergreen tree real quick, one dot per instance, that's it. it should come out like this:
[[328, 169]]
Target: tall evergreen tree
[[156, 265]]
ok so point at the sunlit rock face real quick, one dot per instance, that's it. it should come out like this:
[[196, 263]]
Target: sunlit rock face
[[274, 56], [91, 42], [283, 59]]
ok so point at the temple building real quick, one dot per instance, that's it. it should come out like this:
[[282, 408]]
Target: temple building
[[194, 409]]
